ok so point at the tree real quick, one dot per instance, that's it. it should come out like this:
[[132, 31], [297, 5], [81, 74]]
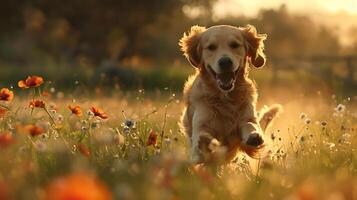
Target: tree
[[108, 28]]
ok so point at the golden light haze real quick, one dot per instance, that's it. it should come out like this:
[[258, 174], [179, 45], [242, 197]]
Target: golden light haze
[[252, 7], [341, 15]]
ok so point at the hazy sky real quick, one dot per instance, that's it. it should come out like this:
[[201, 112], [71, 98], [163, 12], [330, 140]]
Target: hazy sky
[[251, 7], [340, 15]]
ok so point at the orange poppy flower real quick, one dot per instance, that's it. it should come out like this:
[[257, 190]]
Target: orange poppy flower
[[77, 186], [83, 150], [76, 110], [152, 140], [6, 94], [34, 130], [3, 112], [37, 104], [99, 113], [6, 139], [31, 81]]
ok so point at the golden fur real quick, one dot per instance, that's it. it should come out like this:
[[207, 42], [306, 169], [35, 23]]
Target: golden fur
[[219, 123]]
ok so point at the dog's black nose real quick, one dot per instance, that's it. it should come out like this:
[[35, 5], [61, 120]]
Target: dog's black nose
[[225, 63]]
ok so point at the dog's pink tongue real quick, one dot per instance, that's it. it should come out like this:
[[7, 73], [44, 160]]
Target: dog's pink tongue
[[226, 78]]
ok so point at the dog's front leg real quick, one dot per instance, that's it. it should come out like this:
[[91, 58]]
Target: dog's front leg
[[203, 146], [203, 143], [252, 134]]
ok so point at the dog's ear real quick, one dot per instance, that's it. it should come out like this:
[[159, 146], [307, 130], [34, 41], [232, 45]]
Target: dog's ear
[[190, 45], [254, 45]]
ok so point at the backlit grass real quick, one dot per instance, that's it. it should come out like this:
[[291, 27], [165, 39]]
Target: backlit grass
[[129, 146]]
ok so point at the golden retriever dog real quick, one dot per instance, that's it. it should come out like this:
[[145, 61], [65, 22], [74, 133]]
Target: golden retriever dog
[[220, 116]]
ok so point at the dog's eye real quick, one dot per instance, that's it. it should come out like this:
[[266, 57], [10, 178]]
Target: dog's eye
[[234, 45], [212, 47]]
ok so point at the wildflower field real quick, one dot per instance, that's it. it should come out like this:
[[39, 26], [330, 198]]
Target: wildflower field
[[61, 146]]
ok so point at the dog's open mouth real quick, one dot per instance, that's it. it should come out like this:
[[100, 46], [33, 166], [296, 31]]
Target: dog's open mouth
[[225, 80]]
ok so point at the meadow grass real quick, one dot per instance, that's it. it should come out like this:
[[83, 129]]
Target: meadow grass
[[138, 152]]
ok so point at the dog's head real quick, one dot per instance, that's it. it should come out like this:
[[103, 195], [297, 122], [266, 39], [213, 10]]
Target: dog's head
[[223, 51]]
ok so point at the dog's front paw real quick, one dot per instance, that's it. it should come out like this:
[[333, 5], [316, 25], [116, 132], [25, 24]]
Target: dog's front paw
[[255, 140]]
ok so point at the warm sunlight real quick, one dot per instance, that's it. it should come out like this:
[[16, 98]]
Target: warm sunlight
[[252, 7], [339, 15], [178, 99]]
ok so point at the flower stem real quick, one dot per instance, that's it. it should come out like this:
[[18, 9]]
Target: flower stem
[[123, 113], [7, 108], [90, 142], [164, 125], [258, 167], [39, 92], [33, 93], [48, 113], [163, 129]]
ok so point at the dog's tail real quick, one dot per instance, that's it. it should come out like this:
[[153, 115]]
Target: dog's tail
[[267, 114]]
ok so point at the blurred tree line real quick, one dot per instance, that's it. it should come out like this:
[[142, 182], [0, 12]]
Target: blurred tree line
[[93, 30], [81, 34]]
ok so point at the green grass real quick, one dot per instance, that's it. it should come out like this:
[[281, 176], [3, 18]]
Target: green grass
[[68, 77], [302, 161]]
